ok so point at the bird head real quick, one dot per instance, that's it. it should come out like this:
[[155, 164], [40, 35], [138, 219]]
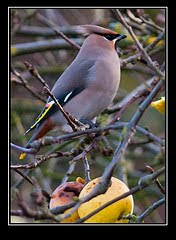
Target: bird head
[[103, 35]]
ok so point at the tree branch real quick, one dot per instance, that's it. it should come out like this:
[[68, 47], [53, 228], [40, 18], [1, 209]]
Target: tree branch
[[56, 30], [154, 206], [25, 84], [42, 46], [151, 170], [34, 72], [138, 44], [36, 31], [37, 144], [86, 169]]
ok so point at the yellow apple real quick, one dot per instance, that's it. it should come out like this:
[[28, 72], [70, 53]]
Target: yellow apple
[[113, 212], [64, 194]]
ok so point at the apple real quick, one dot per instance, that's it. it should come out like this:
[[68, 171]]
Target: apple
[[113, 212], [65, 194]]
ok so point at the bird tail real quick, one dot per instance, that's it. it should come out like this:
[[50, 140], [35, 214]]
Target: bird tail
[[40, 130]]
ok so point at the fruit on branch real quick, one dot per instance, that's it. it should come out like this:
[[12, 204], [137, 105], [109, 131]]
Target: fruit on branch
[[113, 212], [65, 194], [159, 105]]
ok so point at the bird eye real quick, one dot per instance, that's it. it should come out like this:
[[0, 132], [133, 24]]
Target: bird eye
[[110, 37]]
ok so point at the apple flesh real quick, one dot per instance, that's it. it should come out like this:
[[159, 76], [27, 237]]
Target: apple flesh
[[65, 194]]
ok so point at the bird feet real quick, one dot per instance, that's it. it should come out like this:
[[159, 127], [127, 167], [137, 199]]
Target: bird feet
[[88, 122]]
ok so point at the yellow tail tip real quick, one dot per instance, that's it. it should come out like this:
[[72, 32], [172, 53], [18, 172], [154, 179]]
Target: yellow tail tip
[[22, 156]]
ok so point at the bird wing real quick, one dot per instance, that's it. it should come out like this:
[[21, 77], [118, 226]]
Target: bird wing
[[70, 83]]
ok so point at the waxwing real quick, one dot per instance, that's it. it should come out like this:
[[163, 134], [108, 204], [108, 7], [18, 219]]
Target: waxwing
[[89, 84]]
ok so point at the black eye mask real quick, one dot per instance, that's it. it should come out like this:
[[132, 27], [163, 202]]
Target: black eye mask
[[111, 36]]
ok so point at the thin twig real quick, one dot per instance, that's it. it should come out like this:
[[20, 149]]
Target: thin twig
[[159, 38], [36, 214], [40, 159], [85, 151], [132, 17], [148, 48], [140, 91], [69, 172], [149, 210], [26, 85], [137, 92], [56, 29], [24, 176], [161, 188], [138, 44], [126, 106], [42, 46], [140, 20], [37, 144], [22, 149], [36, 31], [86, 169], [34, 183], [34, 72], [150, 23]]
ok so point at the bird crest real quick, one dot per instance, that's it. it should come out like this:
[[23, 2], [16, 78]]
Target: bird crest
[[86, 30]]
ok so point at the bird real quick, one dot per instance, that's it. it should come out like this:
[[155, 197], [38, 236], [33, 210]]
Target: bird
[[87, 86]]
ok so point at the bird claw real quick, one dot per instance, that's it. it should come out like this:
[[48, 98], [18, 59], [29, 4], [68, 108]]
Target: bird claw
[[88, 123]]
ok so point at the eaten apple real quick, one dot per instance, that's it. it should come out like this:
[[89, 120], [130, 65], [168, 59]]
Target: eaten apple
[[65, 194]]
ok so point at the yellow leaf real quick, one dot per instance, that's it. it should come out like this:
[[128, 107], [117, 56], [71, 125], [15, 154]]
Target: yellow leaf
[[159, 105]]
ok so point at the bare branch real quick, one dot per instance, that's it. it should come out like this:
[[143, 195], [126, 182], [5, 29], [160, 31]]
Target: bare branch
[[140, 20], [56, 29], [37, 144], [151, 23], [40, 159], [24, 176], [132, 17], [36, 31], [148, 48], [154, 206], [69, 172], [34, 72], [151, 170], [138, 44], [42, 46], [36, 214], [22, 149], [133, 95], [25, 84], [86, 169]]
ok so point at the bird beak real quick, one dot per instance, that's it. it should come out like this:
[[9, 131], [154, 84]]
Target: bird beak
[[120, 37]]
